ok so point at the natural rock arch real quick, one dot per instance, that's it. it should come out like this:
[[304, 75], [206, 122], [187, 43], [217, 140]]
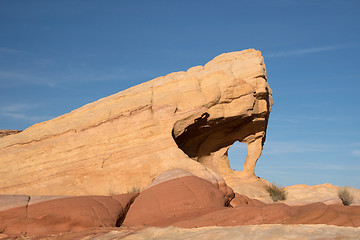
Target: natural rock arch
[[184, 120], [207, 141]]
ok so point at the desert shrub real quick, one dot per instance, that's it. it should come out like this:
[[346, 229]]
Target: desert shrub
[[345, 196], [276, 193], [112, 192]]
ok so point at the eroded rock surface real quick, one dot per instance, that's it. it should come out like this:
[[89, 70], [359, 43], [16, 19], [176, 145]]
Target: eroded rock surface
[[279, 213], [46, 216], [176, 200], [185, 120], [186, 201], [193, 202], [326, 193], [296, 195]]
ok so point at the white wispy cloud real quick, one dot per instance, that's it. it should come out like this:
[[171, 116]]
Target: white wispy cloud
[[356, 153], [92, 76], [295, 119], [314, 166], [27, 117], [10, 78], [51, 72], [57, 80], [12, 51], [17, 107], [19, 112], [304, 51], [274, 147]]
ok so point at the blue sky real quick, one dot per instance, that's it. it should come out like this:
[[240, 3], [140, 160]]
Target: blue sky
[[56, 56]]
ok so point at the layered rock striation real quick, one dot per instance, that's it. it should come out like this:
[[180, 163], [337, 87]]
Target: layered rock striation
[[185, 201], [41, 215], [192, 202], [184, 120]]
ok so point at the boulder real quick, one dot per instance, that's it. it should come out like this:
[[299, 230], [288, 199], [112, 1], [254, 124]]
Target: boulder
[[191, 202], [244, 200], [326, 193], [178, 199], [65, 214]]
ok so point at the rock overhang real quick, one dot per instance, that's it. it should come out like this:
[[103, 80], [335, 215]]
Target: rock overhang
[[239, 113], [177, 121]]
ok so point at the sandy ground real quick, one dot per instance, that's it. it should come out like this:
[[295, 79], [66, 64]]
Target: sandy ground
[[254, 232]]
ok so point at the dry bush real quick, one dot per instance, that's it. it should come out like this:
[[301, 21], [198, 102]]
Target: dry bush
[[346, 196], [112, 192], [276, 193]]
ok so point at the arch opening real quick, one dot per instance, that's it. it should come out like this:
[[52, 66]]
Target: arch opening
[[237, 154], [207, 141]]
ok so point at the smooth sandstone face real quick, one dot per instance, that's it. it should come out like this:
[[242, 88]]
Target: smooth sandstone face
[[185, 120]]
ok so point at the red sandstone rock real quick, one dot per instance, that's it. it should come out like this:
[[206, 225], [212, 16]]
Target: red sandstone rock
[[183, 202], [243, 200], [320, 213], [13, 201], [175, 200], [66, 214], [250, 212], [192, 202]]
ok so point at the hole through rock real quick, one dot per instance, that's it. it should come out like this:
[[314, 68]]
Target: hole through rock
[[237, 154]]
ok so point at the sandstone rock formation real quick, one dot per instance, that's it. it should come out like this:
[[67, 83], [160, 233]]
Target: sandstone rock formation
[[325, 193], [185, 120], [296, 195], [53, 216], [192, 202], [186, 201], [177, 199], [244, 200], [279, 213]]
